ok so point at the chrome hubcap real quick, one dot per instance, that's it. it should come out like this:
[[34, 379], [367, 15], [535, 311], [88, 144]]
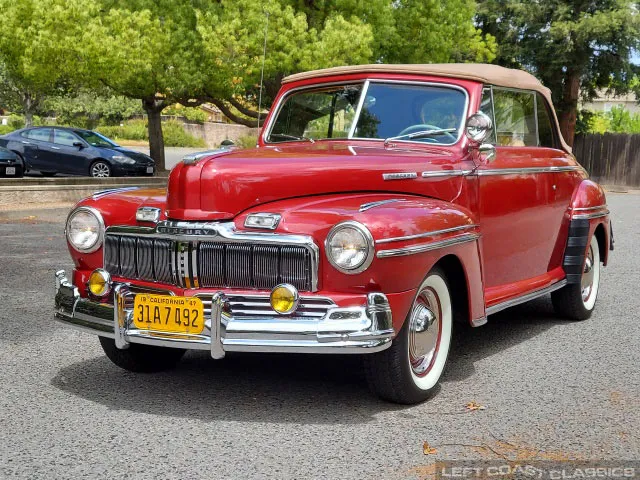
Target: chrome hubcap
[[424, 332], [586, 283], [100, 170]]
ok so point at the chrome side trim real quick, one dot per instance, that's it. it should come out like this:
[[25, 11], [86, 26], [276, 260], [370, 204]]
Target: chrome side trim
[[589, 216], [527, 170], [526, 297], [103, 193], [445, 173], [478, 322], [426, 234], [368, 206], [588, 209], [414, 249], [399, 176]]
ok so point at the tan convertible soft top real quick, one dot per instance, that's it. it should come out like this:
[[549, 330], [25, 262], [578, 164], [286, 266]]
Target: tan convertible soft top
[[480, 72]]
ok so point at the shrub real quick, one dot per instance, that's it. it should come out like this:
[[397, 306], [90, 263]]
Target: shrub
[[192, 115], [247, 141], [174, 134], [4, 129]]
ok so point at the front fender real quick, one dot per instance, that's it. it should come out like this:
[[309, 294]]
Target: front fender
[[411, 235], [589, 202]]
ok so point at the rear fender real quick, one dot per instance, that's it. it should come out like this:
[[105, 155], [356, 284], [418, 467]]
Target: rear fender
[[589, 206]]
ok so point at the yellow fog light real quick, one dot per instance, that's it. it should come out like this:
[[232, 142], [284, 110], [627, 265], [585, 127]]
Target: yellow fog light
[[99, 282], [284, 298]]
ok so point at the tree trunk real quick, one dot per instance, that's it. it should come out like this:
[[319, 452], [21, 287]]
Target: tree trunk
[[569, 106], [153, 109], [27, 106]]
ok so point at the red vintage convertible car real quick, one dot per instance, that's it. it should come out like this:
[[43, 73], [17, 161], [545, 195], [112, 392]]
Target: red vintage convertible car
[[384, 203]]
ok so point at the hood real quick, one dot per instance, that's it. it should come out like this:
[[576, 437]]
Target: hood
[[221, 186]]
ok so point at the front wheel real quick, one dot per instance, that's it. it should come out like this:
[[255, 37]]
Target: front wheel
[[141, 358], [409, 371], [577, 301], [100, 170]]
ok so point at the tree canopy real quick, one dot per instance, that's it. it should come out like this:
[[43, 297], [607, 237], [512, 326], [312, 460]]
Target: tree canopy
[[162, 52], [575, 47]]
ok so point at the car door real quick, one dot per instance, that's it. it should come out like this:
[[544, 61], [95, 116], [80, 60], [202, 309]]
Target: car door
[[516, 193], [68, 152], [31, 141]]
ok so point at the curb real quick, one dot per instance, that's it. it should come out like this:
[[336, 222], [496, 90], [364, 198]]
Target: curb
[[56, 190]]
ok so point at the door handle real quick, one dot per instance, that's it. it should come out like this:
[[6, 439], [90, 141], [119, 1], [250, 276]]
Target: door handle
[[26, 143], [55, 148]]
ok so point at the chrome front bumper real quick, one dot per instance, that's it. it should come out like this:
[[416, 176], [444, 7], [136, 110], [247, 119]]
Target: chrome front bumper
[[363, 329]]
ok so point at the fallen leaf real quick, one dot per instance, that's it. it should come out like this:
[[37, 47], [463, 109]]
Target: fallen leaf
[[428, 449], [472, 406]]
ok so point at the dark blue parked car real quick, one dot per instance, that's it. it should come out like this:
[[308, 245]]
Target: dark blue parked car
[[10, 166], [52, 150]]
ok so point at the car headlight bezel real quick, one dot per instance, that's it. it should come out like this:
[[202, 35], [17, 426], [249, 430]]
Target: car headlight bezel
[[99, 225], [368, 246]]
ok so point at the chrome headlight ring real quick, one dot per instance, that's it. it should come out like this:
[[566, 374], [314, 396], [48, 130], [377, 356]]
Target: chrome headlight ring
[[97, 243], [367, 247]]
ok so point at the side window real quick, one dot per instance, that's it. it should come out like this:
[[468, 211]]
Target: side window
[[515, 118], [62, 137], [486, 107], [40, 134], [545, 125]]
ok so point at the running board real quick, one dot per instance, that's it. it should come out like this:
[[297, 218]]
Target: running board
[[512, 302]]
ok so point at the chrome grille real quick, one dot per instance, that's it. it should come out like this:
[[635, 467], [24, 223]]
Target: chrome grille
[[208, 264]]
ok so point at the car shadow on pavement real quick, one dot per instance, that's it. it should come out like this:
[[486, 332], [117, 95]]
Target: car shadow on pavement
[[279, 388]]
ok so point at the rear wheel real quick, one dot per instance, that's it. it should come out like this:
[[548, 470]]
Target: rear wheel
[[141, 358], [100, 169], [409, 371], [577, 301]]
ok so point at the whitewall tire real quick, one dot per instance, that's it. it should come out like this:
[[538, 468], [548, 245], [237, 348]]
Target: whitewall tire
[[577, 301], [410, 370]]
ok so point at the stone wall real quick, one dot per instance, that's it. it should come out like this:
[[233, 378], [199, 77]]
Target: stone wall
[[214, 133]]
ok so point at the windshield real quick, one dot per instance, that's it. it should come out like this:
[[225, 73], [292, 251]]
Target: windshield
[[95, 139], [317, 114], [388, 110]]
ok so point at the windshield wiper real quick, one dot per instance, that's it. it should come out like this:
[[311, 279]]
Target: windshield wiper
[[421, 134], [291, 137]]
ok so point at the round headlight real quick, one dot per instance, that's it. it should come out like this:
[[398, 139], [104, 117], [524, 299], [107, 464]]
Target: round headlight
[[349, 247], [85, 229]]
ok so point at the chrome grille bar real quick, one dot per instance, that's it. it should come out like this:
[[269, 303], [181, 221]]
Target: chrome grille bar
[[208, 264]]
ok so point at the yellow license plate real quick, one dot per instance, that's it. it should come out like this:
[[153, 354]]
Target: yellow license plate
[[168, 314]]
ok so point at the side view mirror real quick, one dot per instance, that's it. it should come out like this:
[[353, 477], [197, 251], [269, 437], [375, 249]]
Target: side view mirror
[[78, 144], [478, 129]]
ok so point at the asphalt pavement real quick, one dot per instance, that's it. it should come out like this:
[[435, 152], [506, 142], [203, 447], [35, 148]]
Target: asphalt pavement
[[551, 390]]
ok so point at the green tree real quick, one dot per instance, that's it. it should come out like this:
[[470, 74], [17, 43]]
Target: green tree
[[88, 108], [575, 47], [309, 34], [148, 50], [233, 40], [38, 55]]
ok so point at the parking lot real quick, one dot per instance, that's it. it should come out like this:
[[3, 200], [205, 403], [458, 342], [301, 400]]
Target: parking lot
[[550, 389]]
